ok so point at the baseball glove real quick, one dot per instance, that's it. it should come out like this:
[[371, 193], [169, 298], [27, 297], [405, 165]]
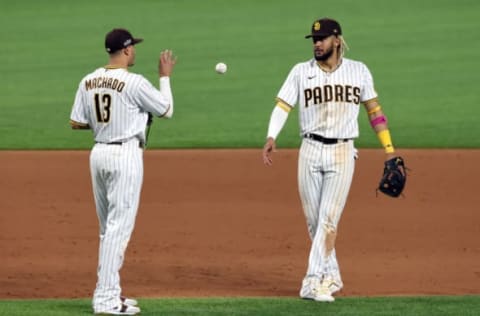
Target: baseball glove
[[394, 177]]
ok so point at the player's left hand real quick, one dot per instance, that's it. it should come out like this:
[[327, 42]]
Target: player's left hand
[[394, 177], [268, 148]]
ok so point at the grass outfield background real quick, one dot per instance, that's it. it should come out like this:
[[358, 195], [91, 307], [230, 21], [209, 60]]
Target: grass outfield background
[[423, 56], [378, 306]]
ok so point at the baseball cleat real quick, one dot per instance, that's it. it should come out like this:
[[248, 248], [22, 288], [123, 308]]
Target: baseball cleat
[[332, 285], [322, 294], [121, 309], [128, 301], [313, 289]]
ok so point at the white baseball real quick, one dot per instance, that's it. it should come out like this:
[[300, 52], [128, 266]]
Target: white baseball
[[221, 68]]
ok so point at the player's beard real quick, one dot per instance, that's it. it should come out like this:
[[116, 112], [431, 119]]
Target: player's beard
[[131, 60], [326, 55]]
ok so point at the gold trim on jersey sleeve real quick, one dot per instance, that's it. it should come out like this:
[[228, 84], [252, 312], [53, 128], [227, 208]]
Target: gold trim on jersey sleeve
[[283, 105], [168, 109], [78, 125], [368, 102]]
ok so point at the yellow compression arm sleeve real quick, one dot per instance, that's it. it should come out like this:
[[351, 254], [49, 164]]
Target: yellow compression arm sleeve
[[375, 109], [386, 141]]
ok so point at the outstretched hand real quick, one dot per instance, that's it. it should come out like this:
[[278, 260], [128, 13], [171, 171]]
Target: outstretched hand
[[268, 149], [166, 63]]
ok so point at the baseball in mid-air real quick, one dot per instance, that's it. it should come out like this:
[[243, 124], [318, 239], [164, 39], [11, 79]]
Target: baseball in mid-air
[[221, 68]]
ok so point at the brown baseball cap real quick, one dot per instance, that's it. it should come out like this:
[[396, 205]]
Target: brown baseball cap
[[325, 27], [119, 38]]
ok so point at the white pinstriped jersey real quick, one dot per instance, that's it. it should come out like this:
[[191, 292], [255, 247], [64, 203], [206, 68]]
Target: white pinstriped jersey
[[115, 104], [328, 101]]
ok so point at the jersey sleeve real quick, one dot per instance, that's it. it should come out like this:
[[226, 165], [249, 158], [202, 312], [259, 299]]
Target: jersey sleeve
[[368, 90], [289, 91], [79, 112], [152, 99]]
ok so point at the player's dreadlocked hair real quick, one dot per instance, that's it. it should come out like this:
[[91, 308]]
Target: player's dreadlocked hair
[[343, 46]]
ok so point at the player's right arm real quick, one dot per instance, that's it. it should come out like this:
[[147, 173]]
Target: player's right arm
[[287, 97], [277, 121], [165, 68], [159, 102]]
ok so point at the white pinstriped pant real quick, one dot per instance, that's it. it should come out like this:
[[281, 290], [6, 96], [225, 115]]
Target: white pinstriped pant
[[325, 173], [117, 176]]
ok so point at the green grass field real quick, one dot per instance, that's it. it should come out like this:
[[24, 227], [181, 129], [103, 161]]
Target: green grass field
[[423, 55], [378, 306]]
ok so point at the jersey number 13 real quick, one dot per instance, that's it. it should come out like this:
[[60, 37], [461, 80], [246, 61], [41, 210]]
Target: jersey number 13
[[102, 107]]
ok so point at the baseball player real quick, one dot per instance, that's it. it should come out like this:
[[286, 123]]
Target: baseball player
[[328, 90], [116, 104]]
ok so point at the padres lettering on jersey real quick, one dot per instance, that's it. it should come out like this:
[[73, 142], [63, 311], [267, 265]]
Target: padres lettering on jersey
[[329, 101], [328, 93]]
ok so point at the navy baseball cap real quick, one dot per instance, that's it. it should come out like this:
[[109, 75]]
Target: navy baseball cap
[[117, 39], [325, 27]]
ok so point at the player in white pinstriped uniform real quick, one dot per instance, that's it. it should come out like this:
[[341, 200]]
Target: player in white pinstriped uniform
[[328, 90], [116, 105]]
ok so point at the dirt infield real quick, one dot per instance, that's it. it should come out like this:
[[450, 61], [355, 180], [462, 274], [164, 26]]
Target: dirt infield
[[219, 223]]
